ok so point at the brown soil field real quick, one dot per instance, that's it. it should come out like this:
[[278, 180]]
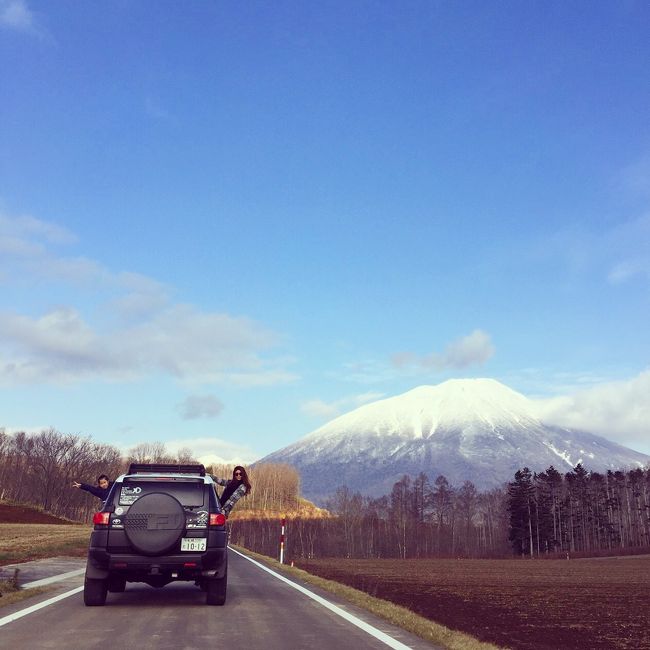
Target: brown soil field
[[11, 514], [599, 604]]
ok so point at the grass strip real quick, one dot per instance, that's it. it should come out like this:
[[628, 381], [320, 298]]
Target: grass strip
[[23, 542], [394, 614]]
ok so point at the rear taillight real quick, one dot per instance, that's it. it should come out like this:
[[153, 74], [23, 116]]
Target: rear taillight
[[101, 518], [217, 519]]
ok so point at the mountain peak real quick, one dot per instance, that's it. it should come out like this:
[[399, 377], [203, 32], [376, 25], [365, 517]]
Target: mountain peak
[[465, 429], [425, 409]]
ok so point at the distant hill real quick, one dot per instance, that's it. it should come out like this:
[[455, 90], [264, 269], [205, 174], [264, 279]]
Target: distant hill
[[464, 429], [18, 514]]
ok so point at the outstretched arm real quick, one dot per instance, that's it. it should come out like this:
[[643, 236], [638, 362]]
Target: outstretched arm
[[233, 498], [95, 490]]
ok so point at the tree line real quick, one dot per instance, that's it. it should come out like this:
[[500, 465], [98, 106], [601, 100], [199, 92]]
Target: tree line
[[579, 511], [417, 519], [536, 514], [38, 469]]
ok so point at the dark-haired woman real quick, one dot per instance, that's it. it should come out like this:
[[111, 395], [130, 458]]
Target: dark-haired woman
[[236, 488]]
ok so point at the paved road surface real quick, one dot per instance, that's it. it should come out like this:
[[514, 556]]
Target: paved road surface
[[261, 612]]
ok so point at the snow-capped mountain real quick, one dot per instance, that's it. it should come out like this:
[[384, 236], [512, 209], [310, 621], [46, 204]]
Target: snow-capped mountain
[[465, 429]]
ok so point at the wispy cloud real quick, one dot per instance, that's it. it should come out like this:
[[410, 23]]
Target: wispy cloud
[[29, 231], [631, 243], [474, 349], [15, 14], [327, 410], [616, 253], [195, 407], [635, 177], [147, 332], [155, 110]]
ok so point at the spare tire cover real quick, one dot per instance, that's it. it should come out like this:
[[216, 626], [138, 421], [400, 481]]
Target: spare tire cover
[[155, 523]]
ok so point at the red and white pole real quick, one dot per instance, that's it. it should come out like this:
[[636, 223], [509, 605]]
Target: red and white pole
[[282, 542]]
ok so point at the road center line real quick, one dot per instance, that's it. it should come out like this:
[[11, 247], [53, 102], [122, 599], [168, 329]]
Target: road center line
[[50, 580], [366, 627], [35, 608]]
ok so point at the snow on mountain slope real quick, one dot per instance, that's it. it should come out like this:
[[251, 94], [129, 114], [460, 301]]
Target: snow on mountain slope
[[423, 410], [465, 429]]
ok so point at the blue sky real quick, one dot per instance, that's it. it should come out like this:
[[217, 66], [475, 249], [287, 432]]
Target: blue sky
[[222, 224]]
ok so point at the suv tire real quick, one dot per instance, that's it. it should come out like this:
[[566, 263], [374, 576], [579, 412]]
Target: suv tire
[[155, 523], [216, 590], [95, 592]]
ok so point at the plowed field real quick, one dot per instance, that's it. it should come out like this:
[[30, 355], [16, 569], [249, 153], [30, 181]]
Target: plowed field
[[11, 514], [600, 604]]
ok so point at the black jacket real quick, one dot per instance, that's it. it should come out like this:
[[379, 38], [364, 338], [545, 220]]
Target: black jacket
[[95, 490]]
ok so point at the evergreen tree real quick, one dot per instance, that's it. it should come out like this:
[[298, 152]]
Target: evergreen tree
[[520, 497]]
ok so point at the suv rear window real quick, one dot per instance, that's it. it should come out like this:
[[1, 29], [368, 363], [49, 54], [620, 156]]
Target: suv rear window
[[188, 493]]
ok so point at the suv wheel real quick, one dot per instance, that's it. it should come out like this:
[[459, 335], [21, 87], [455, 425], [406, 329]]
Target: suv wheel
[[95, 592], [216, 590], [116, 584]]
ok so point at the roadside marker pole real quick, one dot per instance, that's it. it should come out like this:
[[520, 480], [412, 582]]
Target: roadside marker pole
[[282, 541]]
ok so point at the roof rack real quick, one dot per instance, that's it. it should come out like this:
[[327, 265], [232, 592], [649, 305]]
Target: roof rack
[[166, 468]]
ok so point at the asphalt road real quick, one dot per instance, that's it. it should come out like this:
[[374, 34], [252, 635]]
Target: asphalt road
[[261, 611]]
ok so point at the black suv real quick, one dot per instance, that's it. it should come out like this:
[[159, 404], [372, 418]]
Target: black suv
[[160, 523]]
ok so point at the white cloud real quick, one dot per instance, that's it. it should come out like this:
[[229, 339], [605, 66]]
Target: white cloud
[[209, 451], [475, 348], [628, 269], [15, 14], [616, 410], [327, 410], [28, 245], [140, 331], [180, 341], [320, 409], [616, 253], [59, 344], [195, 407], [25, 228]]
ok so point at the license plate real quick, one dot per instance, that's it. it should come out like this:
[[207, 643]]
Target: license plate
[[196, 544]]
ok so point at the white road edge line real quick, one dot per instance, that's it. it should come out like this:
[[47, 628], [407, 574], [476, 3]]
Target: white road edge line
[[49, 581], [35, 608], [366, 627]]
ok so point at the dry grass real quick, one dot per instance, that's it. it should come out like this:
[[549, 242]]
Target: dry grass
[[306, 510], [22, 542], [394, 614], [11, 593]]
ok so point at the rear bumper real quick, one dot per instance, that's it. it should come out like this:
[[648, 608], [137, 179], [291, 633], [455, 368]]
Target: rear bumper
[[180, 566]]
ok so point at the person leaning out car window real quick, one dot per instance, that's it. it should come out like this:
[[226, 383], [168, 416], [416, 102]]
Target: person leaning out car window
[[235, 488], [100, 490]]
